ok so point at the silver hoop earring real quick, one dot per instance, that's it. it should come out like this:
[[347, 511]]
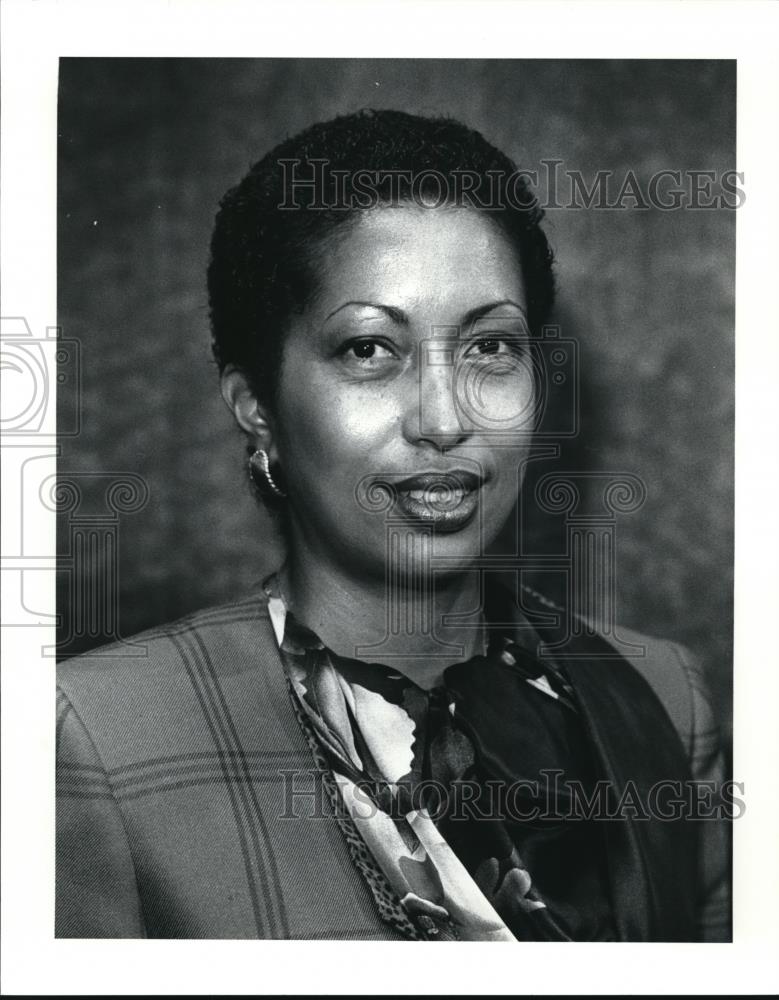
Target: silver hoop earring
[[259, 463]]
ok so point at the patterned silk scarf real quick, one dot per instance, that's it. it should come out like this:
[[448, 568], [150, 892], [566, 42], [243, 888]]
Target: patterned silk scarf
[[435, 783]]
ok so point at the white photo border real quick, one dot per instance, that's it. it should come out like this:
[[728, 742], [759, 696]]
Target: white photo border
[[35, 34]]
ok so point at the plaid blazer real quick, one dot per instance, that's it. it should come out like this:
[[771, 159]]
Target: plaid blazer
[[189, 805]]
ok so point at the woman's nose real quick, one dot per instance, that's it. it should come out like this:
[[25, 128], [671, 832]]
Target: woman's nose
[[433, 415]]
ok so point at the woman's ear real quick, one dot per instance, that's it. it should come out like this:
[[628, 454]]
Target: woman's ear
[[250, 415]]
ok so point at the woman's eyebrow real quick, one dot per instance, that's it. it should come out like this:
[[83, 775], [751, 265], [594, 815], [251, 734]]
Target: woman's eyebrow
[[473, 314], [399, 316], [395, 314]]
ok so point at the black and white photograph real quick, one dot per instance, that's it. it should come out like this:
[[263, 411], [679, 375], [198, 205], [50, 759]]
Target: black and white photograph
[[385, 432]]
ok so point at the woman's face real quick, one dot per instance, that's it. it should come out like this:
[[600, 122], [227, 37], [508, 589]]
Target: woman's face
[[406, 397]]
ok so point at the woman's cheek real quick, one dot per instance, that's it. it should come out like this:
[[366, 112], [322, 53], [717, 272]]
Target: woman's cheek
[[512, 403], [493, 401], [367, 420]]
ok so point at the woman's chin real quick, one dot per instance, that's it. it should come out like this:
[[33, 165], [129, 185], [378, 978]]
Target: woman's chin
[[421, 547]]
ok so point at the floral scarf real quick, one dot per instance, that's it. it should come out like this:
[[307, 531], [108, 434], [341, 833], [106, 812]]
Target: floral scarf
[[427, 792]]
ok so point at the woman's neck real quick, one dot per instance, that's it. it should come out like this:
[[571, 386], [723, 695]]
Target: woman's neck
[[403, 626]]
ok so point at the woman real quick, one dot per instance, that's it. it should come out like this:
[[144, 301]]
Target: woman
[[378, 743]]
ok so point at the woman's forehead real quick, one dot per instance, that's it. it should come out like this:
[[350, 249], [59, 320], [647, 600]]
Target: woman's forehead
[[448, 260]]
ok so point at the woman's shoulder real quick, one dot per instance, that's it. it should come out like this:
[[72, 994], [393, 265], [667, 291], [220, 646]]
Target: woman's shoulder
[[236, 621], [167, 674], [673, 672], [679, 678]]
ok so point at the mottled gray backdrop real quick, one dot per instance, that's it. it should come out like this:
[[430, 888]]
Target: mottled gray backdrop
[[147, 148]]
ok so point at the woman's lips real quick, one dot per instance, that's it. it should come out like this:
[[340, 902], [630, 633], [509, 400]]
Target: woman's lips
[[446, 500]]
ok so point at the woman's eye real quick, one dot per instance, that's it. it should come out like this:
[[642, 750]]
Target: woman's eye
[[368, 351], [489, 346], [492, 346]]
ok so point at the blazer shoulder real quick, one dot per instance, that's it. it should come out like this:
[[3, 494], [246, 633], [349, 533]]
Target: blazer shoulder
[[674, 673], [671, 670], [168, 687], [230, 638], [232, 620]]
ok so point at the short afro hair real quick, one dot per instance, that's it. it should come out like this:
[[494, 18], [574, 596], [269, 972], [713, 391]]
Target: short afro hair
[[271, 225]]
